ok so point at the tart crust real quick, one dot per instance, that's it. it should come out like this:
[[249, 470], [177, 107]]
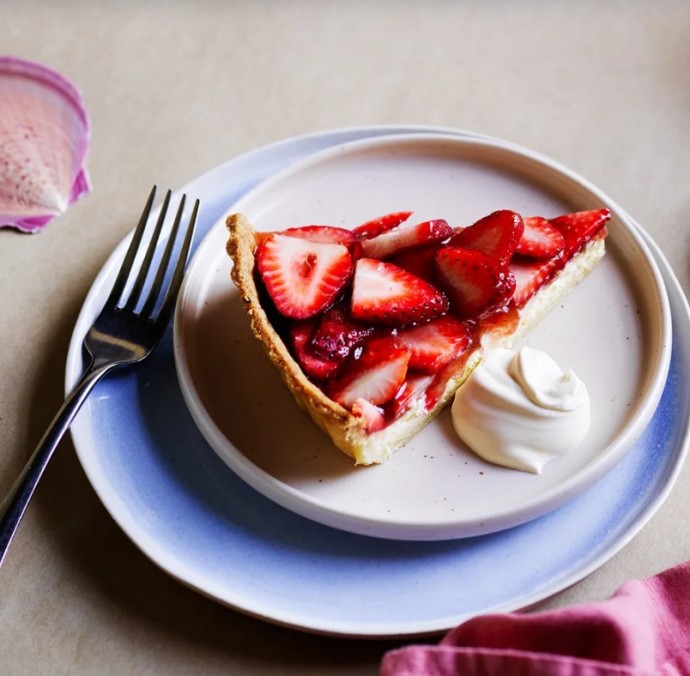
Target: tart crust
[[348, 431]]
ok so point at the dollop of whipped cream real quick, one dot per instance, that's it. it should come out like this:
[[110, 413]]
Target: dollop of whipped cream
[[521, 410]]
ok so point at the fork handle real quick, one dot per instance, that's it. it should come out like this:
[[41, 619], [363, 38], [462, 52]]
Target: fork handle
[[14, 505]]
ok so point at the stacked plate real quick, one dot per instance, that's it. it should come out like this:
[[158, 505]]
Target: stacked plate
[[219, 478]]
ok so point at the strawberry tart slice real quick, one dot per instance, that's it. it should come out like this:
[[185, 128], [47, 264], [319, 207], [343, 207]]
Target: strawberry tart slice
[[374, 329]]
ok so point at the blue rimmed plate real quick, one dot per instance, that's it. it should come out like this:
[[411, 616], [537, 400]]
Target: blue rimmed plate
[[194, 518]]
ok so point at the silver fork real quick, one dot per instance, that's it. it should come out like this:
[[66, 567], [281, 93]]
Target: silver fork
[[124, 333]]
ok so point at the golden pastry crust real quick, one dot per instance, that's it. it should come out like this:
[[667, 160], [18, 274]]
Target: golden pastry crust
[[346, 430]]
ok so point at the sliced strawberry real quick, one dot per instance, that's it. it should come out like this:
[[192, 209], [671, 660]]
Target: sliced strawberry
[[434, 344], [337, 333], [322, 234], [314, 366], [420, 261], [415, 386], [302, 277], [438, 386], [496, 235], [580, 227], [474, 282], [385, 294], [376, 376], [381, 224], [540, 239], [406, 237], [372, 416], [531, 276]]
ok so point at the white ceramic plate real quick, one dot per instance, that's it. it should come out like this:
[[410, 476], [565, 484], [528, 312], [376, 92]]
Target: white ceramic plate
[[614, 330]]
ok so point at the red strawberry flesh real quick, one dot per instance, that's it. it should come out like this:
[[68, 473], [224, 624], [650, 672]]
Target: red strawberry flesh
[[496, 235], [376, 376], [384, 294], [420, 261], [302, 277], [337, 333], [313, 365], [578, 228], [406, 237], [540, 240], [414, 387], [322, 234], [372, 416], [434, 344], [376, 226], [474, 282], [530, 276]]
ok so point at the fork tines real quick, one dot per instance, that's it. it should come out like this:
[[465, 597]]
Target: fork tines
[[131, 300]]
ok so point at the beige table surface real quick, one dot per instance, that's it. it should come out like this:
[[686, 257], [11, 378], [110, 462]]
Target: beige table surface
[[175, 88]]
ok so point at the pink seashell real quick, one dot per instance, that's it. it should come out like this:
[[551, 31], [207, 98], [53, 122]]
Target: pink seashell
[[44, 136]]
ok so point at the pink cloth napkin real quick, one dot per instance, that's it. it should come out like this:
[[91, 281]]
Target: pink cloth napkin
[[644, 628]]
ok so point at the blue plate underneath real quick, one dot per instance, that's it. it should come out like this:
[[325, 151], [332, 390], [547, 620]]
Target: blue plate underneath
[[192, 516]]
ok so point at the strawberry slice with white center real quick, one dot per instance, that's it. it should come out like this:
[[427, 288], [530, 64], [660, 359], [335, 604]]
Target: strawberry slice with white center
[[531, 276], [322, 234], [385, 294], [496, 235], [475, 282], [540, 239], [302, 277], [381, 224], [434, 344], [578, 228], [406, 237], [415, 387], [376, 376], [372, 416]]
